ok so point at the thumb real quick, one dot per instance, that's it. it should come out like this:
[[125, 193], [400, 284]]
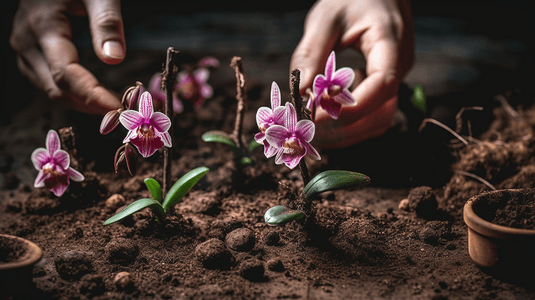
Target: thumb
[[106, 24], [319, 37]]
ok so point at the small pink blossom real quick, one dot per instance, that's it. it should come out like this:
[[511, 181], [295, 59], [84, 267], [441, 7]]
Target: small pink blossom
[[292, 141], [53, 166], [332, 90], [147, 129], [158, 96], [266, 117], [193, 86]]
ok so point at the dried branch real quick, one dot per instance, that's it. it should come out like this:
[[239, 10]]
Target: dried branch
[[298, 104], [476, 177], [507, 107], [168, 81], [430, 120], [241, 96]]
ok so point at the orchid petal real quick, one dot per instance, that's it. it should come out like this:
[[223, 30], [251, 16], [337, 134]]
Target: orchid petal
[[320, 84], [345, 97], [132, 134], [59, 189], [278, 115], [276, 135], [52, 142], [278, 157], [62, 159], [290, 118], [263, 115], [331, 107], [177, 105], [260, 137], [75, 175], [146, 148], [201, 75], [311, 151], [291, 161], [343, 77], [145, 105], [131, 119], [166, 139], [305, 130], [269, 150], [330, 66], [40, 179], [155, 83], [160, 121], [40, 157], [275, 95], [206, 91], [158, 97]]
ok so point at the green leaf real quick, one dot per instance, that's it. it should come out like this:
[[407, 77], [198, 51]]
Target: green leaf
[[154, 188], [220, 137], [244, 161], [279, 215], [182, 186], [333, 180], [253, 145], [135, 207], [419, 99]]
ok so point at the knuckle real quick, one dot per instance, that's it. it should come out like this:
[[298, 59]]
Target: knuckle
[[108, 20]]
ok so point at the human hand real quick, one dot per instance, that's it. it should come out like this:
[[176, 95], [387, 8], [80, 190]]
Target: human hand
[[46, 55], [383, 31]]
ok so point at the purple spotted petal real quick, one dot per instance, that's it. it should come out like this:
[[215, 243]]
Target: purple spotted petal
[[319, 85], [40, 157], [330, 66], [276, 135], [305, 130], [75, 175], [131, 119], [201, 75], [275, 95], [343, 77], [52, 142], [62, 159], [345, 97], [40, 180], [290, 118], [331, 107], [160, 121], [145, 105]]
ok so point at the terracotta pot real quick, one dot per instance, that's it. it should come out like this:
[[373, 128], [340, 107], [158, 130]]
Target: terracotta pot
[[504, 252], [16, 275]]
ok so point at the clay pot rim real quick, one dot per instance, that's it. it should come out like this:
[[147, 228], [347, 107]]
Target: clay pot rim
[[32, 255], [487, 228]]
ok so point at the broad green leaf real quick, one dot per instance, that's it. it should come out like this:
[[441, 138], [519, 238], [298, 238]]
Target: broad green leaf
[[253, 145], [218, 136], [182, 186], [244, 161], [333, 180], [154, 188], [279, 215], [135, 207], [419, 99]]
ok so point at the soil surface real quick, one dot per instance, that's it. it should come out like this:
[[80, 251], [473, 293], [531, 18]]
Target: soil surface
[[401, 237]]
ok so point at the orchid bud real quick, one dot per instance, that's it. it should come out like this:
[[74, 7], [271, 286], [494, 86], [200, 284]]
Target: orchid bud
[[131, 96], [209, 62], [110, 121], [126, 159]]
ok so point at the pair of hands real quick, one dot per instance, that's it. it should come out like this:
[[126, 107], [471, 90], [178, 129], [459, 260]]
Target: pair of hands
[[380, 29]]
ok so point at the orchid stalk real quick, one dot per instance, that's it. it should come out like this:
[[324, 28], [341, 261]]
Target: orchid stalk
[[53, 166]]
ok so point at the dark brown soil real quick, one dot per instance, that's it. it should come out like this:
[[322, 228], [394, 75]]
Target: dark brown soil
[[10, 249], [510, 210], [357, 245]]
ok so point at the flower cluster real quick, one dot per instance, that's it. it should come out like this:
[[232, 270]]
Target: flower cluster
[[53, 166], [282, 135]]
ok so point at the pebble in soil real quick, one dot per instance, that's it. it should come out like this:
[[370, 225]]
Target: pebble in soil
[[423, 202], [252, 269], [213, 254], [241, 239], [121, 251], [73, 264]]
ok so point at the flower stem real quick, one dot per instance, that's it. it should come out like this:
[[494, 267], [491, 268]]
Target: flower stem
[[168, 81], [241, 96], [298, 104]]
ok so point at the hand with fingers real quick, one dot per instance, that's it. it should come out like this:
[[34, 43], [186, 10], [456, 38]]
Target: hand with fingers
[[383, 31], [46, 55]]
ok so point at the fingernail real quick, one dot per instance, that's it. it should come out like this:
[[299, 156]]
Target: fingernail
[[113, 49]]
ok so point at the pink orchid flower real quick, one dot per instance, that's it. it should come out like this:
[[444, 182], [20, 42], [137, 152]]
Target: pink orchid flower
[[53, 166], [147, 129], [193, 86], [332, 90], [292, 141], [265, 117], [158, 96]]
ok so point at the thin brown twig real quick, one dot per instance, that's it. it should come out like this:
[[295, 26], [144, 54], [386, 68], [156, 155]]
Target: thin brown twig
[[298, 103], [241, 96], [507, 107], [168, 80], [455, 134], [475, 177]]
